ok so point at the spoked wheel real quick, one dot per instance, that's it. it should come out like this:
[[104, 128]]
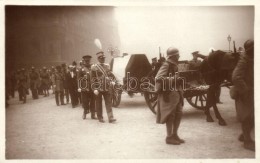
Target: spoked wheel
[[198, 101], [151, 101]]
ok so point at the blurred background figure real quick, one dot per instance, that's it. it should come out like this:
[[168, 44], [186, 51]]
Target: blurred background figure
[[34, 79], [45, 80], [58, 81], [71, 80], [64, 70], [22, 85]]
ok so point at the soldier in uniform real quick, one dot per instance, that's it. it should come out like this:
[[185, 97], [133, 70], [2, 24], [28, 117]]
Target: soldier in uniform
[[170, 102], [87, 95], [45, 81], [194, 64], [65, 84], [52, 74], [34, 79], [100, 74], [58, 81], [22, 85], [243, 93]]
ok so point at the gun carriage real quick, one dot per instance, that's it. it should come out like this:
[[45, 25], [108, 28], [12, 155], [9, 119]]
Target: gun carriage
[[134, 75]]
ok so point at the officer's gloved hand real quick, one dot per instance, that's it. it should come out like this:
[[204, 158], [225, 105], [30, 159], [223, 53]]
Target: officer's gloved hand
[[96, 92], [79, 90]]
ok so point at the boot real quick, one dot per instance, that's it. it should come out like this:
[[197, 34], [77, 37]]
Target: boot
[[176, 124], [178, 138], [172, 140], [248, 142], [250, 145], [110, 117]]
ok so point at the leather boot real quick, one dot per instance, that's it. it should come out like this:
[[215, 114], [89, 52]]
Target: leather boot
[[172, 140], [176, 124]]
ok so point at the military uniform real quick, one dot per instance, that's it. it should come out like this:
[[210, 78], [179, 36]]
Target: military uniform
[[58, 80], [45, 82], [65, 84], [22, 86], [34, 79], [87, 95], [100, 73], [170, 102]]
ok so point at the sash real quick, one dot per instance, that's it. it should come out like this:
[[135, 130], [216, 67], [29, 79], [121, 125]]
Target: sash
[[102, 70]]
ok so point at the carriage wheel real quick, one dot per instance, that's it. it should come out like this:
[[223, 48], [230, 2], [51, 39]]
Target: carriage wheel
[[116, 98], [151, 101], [198, 102]]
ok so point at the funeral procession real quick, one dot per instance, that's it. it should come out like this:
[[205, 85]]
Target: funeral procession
[[125, 82]]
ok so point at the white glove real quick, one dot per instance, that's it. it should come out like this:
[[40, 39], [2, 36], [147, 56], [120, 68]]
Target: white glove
[[96, 92], [113, 83], [79, 90]]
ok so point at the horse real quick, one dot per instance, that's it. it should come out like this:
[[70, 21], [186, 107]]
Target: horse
[[216, 68]]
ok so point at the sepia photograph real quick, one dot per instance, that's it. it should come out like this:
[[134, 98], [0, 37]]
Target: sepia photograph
[[129, 81]]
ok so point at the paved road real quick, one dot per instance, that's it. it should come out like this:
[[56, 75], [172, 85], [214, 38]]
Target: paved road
[[41, 130]]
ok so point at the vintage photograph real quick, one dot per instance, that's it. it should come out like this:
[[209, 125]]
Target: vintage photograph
[[129, 82]]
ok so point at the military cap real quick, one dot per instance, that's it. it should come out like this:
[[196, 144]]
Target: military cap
[[154, 59], [86, 56], [100, 54], [196, 52]]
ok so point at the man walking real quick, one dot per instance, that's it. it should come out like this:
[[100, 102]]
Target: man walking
[[34, 79], [71, 80], [100, 74], [58, 80], [87, 95]]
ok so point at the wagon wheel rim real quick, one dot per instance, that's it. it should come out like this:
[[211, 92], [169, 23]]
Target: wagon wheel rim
[[198, 102], [151, 100]]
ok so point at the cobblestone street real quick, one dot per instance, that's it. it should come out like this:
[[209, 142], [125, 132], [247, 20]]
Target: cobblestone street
[[41, 130]]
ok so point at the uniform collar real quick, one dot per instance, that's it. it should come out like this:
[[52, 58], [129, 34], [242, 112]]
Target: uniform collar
[[171, 61]]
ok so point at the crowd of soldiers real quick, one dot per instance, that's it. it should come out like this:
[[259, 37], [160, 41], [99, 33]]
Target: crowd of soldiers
[[70, 82], [38, 81]]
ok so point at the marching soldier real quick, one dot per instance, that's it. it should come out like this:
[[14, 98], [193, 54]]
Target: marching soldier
[[65, 84], [45, 81], [100, 74], [22, 85], [58, 81], [170, 102], [34, 79], [87, 95]]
